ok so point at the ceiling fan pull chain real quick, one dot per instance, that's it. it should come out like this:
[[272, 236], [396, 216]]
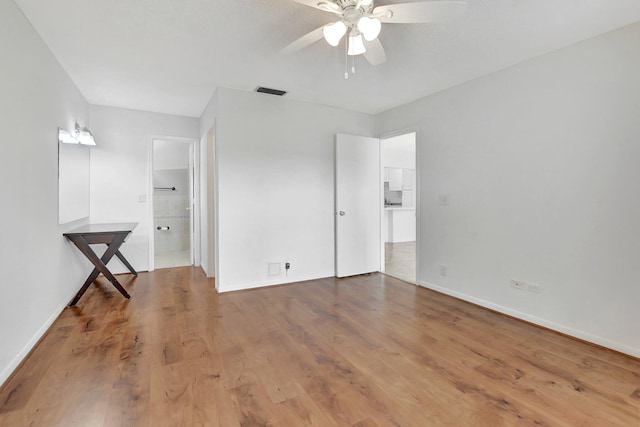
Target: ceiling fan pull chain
[[353, 65], [346, 58]]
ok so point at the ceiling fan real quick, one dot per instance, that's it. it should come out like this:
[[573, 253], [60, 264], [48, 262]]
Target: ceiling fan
[[362, 22]]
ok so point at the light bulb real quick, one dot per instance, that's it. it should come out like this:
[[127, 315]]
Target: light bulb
[[333, 33], [369, 27], [86, 138], [356, 45], [65, 137]]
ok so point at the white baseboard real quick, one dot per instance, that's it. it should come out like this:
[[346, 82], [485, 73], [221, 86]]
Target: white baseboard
[[273, 282], [537, 320], [15, 362]]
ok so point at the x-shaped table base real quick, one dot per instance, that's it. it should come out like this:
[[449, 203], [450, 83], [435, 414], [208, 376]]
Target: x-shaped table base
[[112, 235]]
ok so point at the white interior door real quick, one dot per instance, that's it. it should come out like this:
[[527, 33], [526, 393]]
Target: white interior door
[[358, 205]]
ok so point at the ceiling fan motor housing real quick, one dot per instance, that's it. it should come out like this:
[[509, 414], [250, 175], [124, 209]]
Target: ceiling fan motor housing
[[351, 4]]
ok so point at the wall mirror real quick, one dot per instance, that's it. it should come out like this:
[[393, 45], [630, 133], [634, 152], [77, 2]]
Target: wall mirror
[[73, 181]]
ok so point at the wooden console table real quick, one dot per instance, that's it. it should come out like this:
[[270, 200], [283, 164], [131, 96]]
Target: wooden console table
[[112, 235]]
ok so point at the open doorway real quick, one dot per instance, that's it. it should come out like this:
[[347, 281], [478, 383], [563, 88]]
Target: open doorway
[[173, 202], [400, 196]]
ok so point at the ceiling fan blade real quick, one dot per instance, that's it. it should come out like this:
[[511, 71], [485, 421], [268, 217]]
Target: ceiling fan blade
[[304, 41], [326, 5], [375, 52], [420, 12], [310, 3]]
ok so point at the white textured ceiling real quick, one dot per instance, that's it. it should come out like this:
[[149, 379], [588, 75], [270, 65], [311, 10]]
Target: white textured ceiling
[[169, 55]]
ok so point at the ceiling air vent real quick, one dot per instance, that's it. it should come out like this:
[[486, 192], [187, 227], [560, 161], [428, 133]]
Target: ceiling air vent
[[271, 91]]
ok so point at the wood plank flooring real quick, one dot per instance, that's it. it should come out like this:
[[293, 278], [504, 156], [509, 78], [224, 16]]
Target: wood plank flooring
[[363, 351]]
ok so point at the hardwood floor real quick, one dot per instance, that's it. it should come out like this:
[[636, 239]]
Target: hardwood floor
[[363, 351]]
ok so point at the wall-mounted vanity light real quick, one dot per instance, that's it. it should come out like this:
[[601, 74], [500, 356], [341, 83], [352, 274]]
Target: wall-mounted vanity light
[[79, 136]]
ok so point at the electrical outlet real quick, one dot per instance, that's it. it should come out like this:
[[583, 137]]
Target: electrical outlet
[[533, 287], [443, 270], [518, 284]]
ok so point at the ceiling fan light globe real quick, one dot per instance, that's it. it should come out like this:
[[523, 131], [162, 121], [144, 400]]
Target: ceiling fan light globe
[[369, 27], [333, 33], [356, 45]]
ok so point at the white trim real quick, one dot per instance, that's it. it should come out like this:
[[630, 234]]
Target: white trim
[[383, 235], [216, 205], [22, 354], [275, 282], [208, 203], [212, 193], [150, 255], [418, 206], [537, 320]]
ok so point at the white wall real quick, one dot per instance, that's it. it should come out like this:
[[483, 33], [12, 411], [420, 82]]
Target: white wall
[[540, 162], [275, 188], [120, 171], [399, 151], [170, 155], [40, 270], [207, 180]]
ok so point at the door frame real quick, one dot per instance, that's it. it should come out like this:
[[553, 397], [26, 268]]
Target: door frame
[[210, 202], [194, 162], [404, 131]]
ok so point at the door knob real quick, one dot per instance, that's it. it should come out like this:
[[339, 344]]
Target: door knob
[[341, 213]]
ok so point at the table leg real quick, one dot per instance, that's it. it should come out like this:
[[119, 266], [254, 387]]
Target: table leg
[[85, 286], [126, 263], [100, 264]]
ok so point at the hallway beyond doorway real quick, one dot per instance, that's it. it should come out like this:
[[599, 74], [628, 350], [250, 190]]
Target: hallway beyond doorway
[[400, 260]]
